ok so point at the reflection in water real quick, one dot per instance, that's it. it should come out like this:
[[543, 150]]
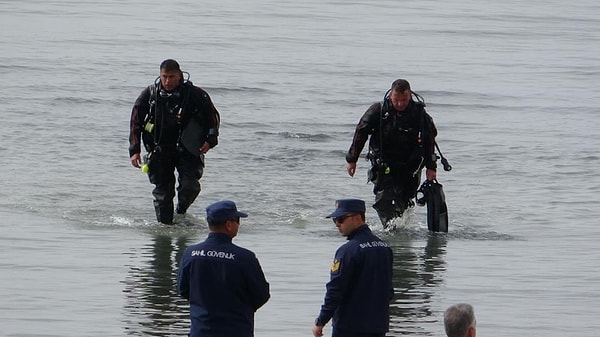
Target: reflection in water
[[417, 272], [153, 307]]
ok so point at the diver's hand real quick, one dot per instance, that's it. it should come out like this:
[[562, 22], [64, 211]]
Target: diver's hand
[[430, 174], [351, 168], [317, 331], [136, 160], [205, 147]]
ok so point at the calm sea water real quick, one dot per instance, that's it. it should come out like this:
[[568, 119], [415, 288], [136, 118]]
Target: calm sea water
[[513, 88]]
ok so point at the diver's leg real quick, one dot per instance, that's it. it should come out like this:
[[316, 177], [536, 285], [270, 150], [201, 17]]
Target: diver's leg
[[406, 192], [190, 169], [384, 199], [396, 194], [162, 175], [384, 206]]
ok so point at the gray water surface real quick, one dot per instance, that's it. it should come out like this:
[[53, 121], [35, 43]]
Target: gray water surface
[[512, 86]]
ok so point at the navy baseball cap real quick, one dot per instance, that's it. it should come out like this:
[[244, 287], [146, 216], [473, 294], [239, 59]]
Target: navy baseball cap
[[347, 206], [222, 211]]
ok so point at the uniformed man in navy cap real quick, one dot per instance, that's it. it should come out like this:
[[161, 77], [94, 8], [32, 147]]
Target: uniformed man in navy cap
[[360, 287], [224, 283]]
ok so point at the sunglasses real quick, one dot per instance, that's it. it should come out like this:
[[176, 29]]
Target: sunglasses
[[341, 218]]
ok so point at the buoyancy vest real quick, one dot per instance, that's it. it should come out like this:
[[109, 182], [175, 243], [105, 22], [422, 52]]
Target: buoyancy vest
[[399, 134], [398, 143], [166, 116]]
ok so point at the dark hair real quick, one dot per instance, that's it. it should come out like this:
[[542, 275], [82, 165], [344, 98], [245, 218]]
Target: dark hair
[[221, 223], [400, 85], [216, 223], [170, 65]]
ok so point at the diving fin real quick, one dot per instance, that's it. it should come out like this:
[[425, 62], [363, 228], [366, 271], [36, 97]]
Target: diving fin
[[193, 137], [437, 210]]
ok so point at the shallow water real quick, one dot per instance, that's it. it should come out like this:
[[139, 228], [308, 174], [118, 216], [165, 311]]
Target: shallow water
[[512, 87]]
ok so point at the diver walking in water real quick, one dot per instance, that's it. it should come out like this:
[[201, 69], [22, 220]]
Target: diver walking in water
[[178, 124], [402, 143]]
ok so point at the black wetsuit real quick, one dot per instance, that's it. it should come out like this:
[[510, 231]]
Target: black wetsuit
[[170, 114], [400, 145]]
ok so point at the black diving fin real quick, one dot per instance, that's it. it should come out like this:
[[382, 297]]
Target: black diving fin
[[193, 136], [432, 194]]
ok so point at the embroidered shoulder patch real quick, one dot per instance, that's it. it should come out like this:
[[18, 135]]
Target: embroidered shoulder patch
[[335, 266]]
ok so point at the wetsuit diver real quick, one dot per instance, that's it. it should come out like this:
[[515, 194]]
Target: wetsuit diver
[[177, 123], [402, 141]]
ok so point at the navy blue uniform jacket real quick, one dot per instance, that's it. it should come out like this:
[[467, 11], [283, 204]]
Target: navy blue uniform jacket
[[225, 285], [360, 288]]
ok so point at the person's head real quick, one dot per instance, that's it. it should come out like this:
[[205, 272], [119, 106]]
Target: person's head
[[223, 217], [170, 75], [400, 94], [349, 214], [459, 321]]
